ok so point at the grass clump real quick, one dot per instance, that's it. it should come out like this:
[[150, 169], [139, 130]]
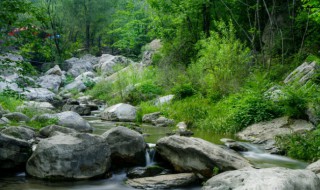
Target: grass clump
[[132, 85], [301, 146]]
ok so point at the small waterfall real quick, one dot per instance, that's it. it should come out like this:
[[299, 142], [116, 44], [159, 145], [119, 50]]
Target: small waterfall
[[150, 152]]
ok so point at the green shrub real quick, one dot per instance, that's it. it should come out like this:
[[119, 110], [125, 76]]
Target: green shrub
[[301, 146], [131, 85], [142, 92], [10, 100], [296, 98], [145, 108], [222, 63], [182, 91], [190, 110], [89, 83], [38, 124], [69, 79], [102, 91], [253, 108]]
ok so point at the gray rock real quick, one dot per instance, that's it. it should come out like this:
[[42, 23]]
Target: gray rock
[[78, 66], [164, 181], [75, 85], [4, 120], [108, 63], [23, 133], [150, 171], [80, 109], [12, 57], [275, 93], [315, 167], [17, 116], [50, 130], [164, 100], [303, 73], [151, 117], [127, 146], [266, 179], [2, 110], [14, 153], [163, 122], [197, 155], [152, 48], [119, 112], [312, 113], [70, 157], [68, 119], [234, 145], [265, 132], [39, 106], [50, 82], [54, 71], [39, 94], [9, 85], [86, 76]]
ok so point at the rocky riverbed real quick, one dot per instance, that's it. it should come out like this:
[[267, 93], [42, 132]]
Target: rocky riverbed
[[97, 146]]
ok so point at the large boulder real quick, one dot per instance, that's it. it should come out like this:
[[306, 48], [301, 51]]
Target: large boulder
[[50, 82], [303, 73], [119, 112], [127, 146], [23, 133], [54, 71], [70, 157], [151, 49], [17, 116], [77, 66], [108, 63], [14, 153], [266, 179], [39, 94], [315, 167], [39, 106], [5, 84], [80, 109], [68, 119], [50, 130], [75, 85], [163, 122], [86, 76], [151, 117], [164, 100], [199, 156], [164, 181], [265, 132]]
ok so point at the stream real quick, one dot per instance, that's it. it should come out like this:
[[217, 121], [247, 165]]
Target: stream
[[256, 154]]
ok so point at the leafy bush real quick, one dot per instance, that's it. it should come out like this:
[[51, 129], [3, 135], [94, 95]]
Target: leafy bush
[[38, 124], [182, 91], [190, 110], [142, 92], [253, 108], [131, 85], [89, 83], [10, 100], [102, 91], [223, 62], [295, 101], [145, 108], [69, 79], [301, 146]]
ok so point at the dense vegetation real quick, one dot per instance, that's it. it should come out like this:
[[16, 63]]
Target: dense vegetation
[[218, 58]]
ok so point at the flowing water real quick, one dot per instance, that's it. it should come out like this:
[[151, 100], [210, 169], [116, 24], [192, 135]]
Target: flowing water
[[255, 154]]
